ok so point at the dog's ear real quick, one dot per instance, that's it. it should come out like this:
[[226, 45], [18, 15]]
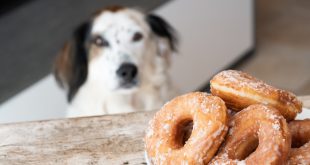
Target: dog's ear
[[164, 30], [70, 67]]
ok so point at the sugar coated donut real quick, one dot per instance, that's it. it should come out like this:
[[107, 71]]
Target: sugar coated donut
[[258, 127], [300, 152], [240, 90], [165, 141]]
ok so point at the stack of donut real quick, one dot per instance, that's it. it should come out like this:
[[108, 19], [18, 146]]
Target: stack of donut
[[196, 128]]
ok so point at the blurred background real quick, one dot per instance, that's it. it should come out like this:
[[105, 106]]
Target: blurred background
[[282, 54], [268, 39]]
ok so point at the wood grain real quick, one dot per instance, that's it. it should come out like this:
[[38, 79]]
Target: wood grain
[[89, 140]]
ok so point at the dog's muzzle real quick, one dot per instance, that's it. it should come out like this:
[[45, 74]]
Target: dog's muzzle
[[127, 73]]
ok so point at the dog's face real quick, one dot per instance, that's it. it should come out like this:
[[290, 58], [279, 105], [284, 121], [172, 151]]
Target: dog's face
[[116, 51], [119, 47]]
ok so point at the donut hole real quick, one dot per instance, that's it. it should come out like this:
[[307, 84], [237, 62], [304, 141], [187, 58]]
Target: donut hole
[[297, 143], [246, 148], [183, 133]]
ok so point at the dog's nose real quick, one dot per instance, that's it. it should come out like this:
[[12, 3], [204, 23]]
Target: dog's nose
[[127, 72]]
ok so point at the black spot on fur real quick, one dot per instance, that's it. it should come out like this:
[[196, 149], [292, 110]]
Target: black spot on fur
[[161, 28], [80, 64]]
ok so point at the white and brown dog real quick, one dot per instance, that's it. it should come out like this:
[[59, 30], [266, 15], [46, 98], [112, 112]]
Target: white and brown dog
[[117, 62]]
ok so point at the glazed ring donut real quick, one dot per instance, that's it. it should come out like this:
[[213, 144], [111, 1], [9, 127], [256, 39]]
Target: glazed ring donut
[[165, 142], [300, 152], [240, 90], [258, 126]]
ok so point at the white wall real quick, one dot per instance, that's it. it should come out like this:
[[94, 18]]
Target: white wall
[[43, 100], [213, 34]]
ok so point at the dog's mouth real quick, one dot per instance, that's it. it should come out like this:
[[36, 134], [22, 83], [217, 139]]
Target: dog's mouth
[[127, 87], [129, 84]]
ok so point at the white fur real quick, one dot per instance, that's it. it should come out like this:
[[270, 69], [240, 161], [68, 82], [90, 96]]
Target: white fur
[[101, 94]]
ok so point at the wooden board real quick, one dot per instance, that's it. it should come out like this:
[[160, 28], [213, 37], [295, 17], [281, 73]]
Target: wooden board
[[111, 139], [88, 140]]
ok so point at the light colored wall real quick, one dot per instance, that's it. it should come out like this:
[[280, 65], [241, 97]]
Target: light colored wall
[[214, 33], [43, 100]]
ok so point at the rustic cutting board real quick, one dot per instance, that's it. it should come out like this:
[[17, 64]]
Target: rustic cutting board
[[87, 140]]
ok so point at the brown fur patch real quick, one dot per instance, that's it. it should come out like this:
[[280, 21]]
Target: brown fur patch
[[110, 8], [62, 64], [94, 51]]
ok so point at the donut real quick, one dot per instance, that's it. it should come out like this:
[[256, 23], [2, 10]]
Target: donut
[[258, 134], [300, 130], [300, 152], [239, 90], [166, 141]]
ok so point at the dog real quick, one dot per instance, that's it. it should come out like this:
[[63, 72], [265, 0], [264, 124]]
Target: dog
[[117, 62]]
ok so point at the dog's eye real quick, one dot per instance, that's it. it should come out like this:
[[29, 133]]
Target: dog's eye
[[99, 41], [137, 37]]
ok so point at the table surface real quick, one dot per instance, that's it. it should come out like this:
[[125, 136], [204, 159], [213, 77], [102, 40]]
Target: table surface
[[109, 139]]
